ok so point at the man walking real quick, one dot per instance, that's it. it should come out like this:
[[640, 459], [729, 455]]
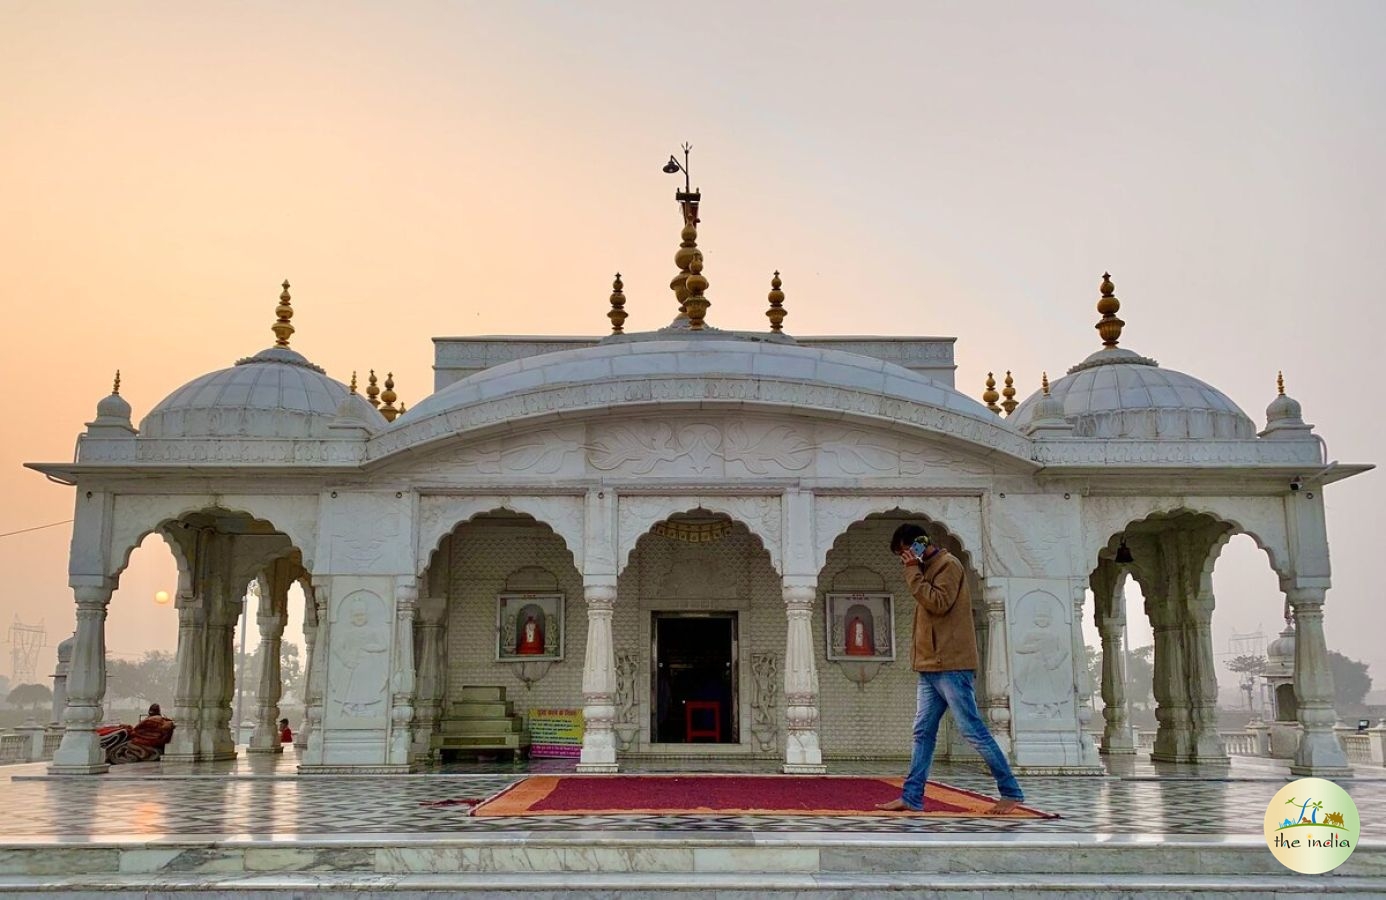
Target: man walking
[[945, 656]]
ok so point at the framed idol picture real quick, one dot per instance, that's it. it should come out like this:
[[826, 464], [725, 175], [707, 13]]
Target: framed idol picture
[[861, 627], [529, 627]]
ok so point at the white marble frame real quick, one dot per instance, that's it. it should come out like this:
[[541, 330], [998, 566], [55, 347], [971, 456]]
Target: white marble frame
[[558, 614], [843, 600]]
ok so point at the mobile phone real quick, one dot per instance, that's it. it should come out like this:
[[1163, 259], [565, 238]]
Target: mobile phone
[[917, 548]]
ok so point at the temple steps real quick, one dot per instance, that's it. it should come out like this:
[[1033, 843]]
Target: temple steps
[[688, 864], [480, 720]]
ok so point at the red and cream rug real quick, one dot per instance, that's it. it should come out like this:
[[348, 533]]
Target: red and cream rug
[[804, 795]]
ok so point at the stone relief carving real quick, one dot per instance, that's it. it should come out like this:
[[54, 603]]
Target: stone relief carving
[[360, 639], [919, 458], [758, 448], [366, 532], [642, 448], [1041, 644], [765, 707], [635, 515], [539, 453], [855, 452], [1023, 539]]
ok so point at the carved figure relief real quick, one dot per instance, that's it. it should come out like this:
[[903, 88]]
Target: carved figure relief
[[1044, 680], [361, 654], [765, 672]]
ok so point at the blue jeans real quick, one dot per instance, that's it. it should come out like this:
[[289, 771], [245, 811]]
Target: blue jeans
[[940, 691]]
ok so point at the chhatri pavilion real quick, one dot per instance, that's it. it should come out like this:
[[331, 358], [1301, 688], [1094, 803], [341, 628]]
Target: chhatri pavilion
[[684, 534]]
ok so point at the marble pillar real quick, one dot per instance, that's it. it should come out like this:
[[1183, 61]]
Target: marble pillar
[[60, 681], [190, 659], [317, 665], [802, 754], [1319, 752], [1118, 738], [270, 617], [431, 684], [402, 683], [1205, 746], [218, 686], [1172, 734], [310, 639], [599, 679], [998, 677], [80, 751]]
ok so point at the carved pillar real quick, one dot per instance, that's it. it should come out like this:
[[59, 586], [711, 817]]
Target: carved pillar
[[599, 680], [802, 754], [998, 676], [271, 616], [217, 741], [402, 678], [80, 751], [1082, 680], [1170, 680], [1118, 738], [191, 662], [1109, 602], [313, 702], [310, 637], [1205, 746], [1319, 752], [431, 685]]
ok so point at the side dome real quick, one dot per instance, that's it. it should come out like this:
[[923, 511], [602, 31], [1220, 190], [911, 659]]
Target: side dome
[[277, 393], [1116, 393]]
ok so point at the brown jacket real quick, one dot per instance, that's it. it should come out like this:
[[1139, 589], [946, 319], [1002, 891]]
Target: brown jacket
[[944, 636]]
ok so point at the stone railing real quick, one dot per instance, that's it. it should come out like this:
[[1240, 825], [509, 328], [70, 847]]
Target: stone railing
[[29, 743], [1357, 746], [14, 748], [1240, 743]]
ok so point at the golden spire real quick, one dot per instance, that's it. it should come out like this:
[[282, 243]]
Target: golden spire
[[115, 389], [1279, 383], [1044, 384], [401, 407], [353, 381], [1110, 326], [989, 396], [1009, 404], [696, 303], [372, 391], [618, 306], [388, 410], [282, 328], [776, 312], [688, 200]]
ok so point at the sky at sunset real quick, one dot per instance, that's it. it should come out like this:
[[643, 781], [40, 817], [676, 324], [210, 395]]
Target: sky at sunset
[[429, 169]]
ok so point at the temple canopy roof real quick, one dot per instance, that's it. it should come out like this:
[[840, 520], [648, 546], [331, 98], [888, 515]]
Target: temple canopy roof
[[277, 393], [1117, 393]]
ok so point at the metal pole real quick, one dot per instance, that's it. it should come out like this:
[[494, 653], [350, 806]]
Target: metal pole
[[240, 668]]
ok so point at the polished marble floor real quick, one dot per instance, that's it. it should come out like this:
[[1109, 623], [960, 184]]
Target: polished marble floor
[[263, 797]]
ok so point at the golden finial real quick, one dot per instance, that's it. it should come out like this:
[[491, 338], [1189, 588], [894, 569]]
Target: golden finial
[[618, 306], [682, 257], [389, 396], [989, 396], [372, 391], [115, 389], [1044, 384], [1110, 326], [688, 200], [282, 328], [401, 407], [1279, 382], [776, 312], [353, 382], [696, 303], [1009, 404]]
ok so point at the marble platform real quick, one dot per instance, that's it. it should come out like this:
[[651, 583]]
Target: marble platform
[[254, 827]]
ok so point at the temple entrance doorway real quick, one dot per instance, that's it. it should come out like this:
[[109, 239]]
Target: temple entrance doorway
[[694, 671]]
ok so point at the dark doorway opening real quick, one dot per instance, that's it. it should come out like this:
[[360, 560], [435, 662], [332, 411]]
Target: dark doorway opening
[[694, 678]]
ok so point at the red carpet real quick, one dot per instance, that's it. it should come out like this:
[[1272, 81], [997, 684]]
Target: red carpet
[[809, 795]]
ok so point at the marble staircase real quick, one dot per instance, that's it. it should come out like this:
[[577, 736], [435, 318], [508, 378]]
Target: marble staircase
[[686, 864], [481, 720]]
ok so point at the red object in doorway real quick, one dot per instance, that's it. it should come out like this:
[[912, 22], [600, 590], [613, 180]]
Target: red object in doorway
[[712, 706]]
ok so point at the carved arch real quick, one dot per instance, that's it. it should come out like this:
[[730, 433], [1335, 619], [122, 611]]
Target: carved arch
[[135, 517], [959, 517], [1106, 519], [440, 516], [761, 515]]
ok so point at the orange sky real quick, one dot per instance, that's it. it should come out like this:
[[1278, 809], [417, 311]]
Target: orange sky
[[434, 168]]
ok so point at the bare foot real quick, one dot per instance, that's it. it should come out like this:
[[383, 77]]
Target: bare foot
[[896, 806], [1002, 806]]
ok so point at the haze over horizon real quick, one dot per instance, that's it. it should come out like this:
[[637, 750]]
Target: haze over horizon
[[911, 169]]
